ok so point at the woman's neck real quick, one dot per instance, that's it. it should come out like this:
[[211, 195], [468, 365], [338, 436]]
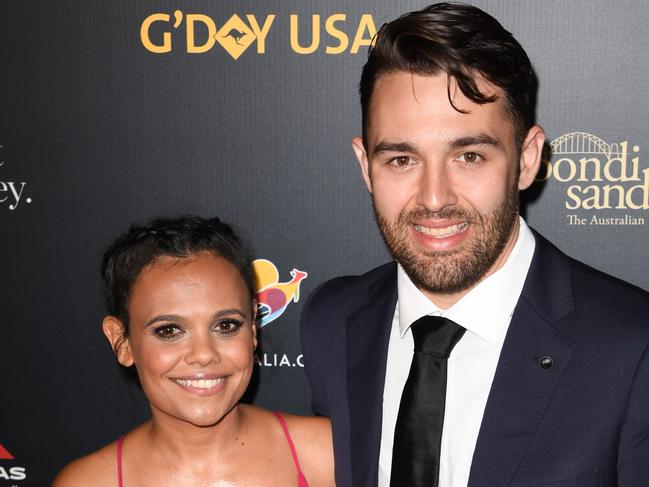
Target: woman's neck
[[180, 439]]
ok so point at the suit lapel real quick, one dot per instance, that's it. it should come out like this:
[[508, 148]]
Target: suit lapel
[[368, 334], [522, 389]]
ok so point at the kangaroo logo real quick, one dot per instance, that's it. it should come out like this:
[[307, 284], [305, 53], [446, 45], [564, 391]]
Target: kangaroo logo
[[273, 297], [236, 35]]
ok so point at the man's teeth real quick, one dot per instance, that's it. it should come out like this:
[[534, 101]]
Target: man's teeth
[[200, 383], [441, 232]]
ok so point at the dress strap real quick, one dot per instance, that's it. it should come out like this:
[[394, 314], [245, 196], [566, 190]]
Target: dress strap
[[120, 441], [301, 480]]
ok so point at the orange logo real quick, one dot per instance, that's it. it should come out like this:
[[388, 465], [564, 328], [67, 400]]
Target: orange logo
[[273, 297], [235, 36]]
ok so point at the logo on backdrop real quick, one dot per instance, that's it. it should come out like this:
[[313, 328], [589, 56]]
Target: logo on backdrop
[[4, 454], [162, 33], [235, 36], [273, 297], [11, 192], [605, 182], [10, 473]]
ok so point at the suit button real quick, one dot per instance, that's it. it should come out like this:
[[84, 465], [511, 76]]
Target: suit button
[[546, 362]]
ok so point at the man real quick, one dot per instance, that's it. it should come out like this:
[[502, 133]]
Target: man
[[544, 376]]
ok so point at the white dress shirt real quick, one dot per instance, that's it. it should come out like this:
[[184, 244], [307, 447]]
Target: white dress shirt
[[485, 311]]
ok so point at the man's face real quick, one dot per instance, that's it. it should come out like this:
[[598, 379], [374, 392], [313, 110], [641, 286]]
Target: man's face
[[444, 183]]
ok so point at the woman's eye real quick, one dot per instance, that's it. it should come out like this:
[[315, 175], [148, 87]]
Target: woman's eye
[[470, 157], [168, 332], [228, 327]]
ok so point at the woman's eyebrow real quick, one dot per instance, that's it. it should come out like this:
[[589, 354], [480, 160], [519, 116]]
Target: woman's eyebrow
[[162, 318], [217, 315], [229, 312]]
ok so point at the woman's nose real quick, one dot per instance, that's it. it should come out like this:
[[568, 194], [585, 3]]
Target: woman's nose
[[203, 350]]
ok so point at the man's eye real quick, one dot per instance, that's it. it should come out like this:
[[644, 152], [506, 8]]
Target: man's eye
[[400, 161], [168, 332], [470, 157], [228, 327]]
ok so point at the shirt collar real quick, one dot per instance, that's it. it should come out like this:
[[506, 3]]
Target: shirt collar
[[487, 308]]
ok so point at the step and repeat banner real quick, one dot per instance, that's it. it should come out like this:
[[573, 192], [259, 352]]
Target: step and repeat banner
[[116, 112]]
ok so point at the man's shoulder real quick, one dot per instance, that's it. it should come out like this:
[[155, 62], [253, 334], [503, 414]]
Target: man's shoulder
[[604, 290], [586, 274], [590, 283], [346, 292], [326, 310], [357, 283], [594, 290]]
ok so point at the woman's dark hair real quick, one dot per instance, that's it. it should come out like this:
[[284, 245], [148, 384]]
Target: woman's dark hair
[[180, 237], [462, 41]]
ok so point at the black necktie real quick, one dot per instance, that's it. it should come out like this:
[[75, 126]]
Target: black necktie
[[418, 431]]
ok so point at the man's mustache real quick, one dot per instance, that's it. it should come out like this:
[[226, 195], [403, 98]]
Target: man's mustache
[[450, 212]]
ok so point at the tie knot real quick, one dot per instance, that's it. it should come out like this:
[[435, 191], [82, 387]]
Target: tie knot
[[435, 335]]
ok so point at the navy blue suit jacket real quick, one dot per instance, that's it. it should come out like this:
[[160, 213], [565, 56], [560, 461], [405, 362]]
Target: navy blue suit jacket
[[583, 422]]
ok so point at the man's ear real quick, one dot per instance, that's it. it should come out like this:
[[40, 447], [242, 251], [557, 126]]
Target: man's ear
[[115, 332], [361, 156], [530, 158]]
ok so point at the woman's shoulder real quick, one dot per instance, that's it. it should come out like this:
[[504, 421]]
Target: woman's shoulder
[[313, 444], [97, 469], [311, 437], [308, 428], [305, 430]]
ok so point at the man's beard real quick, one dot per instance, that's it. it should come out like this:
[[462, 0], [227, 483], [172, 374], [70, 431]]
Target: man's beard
[[449, 272]]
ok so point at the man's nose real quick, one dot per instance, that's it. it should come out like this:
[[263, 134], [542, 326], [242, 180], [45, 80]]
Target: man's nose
[[203, 350], [436, 189]]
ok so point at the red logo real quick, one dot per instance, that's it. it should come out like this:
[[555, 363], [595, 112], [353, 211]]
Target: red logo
[[4, 454]]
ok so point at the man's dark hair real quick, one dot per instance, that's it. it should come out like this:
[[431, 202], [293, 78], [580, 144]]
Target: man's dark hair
[[181, 237], [462, 41]]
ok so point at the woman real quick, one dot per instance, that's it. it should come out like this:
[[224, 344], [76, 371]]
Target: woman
[[182, 312]]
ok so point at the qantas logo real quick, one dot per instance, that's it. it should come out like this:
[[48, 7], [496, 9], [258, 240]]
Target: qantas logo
[[10, 473], [4, 454]]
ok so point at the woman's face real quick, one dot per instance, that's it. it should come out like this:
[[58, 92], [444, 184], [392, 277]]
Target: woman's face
[[191, 338]]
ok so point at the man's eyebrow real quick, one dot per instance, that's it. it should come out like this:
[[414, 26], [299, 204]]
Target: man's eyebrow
[[480, 139], [394, 147]]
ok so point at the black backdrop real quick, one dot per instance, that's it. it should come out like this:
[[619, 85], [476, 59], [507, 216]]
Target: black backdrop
[[97, 131]]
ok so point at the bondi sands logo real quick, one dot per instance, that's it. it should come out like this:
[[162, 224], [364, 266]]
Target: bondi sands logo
[[597, 175], [273, 297]]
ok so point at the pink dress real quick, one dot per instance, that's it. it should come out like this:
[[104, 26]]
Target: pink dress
[[301, 481]]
